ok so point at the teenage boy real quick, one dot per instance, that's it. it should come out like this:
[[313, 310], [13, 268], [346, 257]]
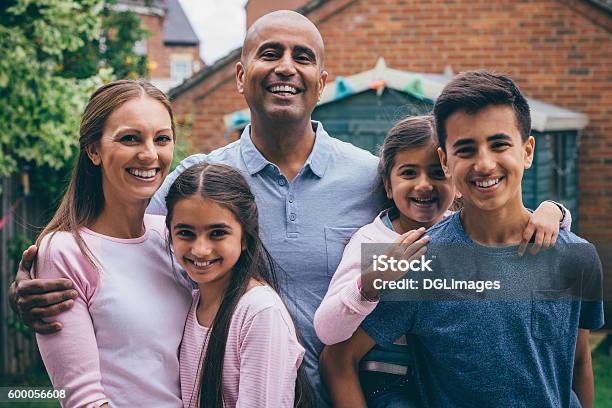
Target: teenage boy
[[527, 349]]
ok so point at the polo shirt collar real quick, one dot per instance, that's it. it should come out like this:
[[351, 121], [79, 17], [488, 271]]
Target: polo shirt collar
[[317, 161], [319, 157], [253, 159]]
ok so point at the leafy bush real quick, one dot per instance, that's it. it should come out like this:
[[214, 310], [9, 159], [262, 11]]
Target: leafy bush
[[52, 60]]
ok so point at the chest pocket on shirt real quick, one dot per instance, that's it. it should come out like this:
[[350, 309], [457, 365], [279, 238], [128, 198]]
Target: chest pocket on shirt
[[550, 313], [335, 241]]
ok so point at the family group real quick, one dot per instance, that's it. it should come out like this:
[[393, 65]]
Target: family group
[[237, 280]]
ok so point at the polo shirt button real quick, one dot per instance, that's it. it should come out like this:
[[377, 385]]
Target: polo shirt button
[[290, 199], [292, 217], [281, 181]]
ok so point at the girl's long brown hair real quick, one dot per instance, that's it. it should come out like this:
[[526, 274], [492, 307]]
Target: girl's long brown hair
[[83, 200], [228, 188]]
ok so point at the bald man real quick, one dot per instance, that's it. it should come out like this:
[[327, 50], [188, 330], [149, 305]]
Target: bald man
[[312, 191]]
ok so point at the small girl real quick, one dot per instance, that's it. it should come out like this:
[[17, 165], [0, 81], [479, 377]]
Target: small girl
[[239, 346], [420, 196]]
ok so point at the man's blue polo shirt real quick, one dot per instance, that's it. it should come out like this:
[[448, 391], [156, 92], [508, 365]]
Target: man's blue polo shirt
[[511, 348], [304, 224]]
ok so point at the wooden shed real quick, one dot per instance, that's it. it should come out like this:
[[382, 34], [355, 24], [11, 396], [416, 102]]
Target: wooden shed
[[361, 108]]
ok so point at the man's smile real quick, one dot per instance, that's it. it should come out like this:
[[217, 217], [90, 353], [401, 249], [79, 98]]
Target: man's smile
[[283, 89]]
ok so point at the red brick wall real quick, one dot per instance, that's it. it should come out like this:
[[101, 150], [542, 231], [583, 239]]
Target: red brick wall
[[155, 43], [158, 55], [557, 51], [207, 103]]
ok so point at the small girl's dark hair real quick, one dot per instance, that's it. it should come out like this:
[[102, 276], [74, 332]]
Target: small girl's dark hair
[[411, 132], [227, 187]]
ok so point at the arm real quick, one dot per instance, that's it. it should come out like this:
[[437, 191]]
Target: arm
[[343, 308], [71, 355], [32, 300], [270, 356], [348, 301], [545, 223], [591, 318], [339, 363], [339, 366], [582, 382]]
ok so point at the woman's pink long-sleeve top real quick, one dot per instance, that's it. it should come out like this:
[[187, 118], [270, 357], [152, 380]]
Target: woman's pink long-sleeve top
[[120, 341]]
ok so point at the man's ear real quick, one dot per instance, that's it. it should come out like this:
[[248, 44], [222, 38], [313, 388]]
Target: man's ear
[[322, 82], [92, 153], [240, 77], [528, 152], [442, 156]]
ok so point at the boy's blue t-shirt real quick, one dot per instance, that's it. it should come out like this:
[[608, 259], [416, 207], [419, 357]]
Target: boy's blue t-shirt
[[510, 347]]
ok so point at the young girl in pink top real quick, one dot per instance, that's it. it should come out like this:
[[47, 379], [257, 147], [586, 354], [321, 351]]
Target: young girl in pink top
[[239, 345], [420, 196]]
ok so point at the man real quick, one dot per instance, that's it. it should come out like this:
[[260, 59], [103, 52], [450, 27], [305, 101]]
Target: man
[[312, 191], [523, 342]]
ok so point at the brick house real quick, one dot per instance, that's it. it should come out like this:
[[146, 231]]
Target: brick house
[[558, 51], [173, 48]]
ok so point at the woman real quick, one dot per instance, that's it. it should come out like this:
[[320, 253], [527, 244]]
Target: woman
[[119, 343]]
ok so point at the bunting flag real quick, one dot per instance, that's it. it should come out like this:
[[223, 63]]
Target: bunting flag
[[7, 216], [414, 86], [343, 89], [239, 119], [378, 86]]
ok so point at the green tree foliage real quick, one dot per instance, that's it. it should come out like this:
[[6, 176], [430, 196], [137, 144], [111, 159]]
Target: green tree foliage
[[51, 62], [37, 119], [114, 48]]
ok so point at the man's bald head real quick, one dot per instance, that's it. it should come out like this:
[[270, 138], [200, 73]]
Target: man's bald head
[[254, 34], [281, 71]]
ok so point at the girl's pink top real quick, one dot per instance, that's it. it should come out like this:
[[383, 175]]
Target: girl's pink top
[[120, 341], [343, 308], [262, 353]]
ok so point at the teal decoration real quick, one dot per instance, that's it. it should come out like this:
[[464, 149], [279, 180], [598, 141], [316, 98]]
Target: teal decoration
[[239, 119], [343, 89], [415, 88]]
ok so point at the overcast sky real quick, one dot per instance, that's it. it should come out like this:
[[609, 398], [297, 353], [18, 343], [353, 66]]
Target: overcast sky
[[219, 24]]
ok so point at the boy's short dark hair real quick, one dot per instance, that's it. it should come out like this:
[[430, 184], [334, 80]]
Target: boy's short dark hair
[[472, 91]]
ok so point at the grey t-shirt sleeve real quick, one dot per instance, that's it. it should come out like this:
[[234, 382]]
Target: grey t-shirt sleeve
[[390, 320], [157, 205], [591, 305]]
